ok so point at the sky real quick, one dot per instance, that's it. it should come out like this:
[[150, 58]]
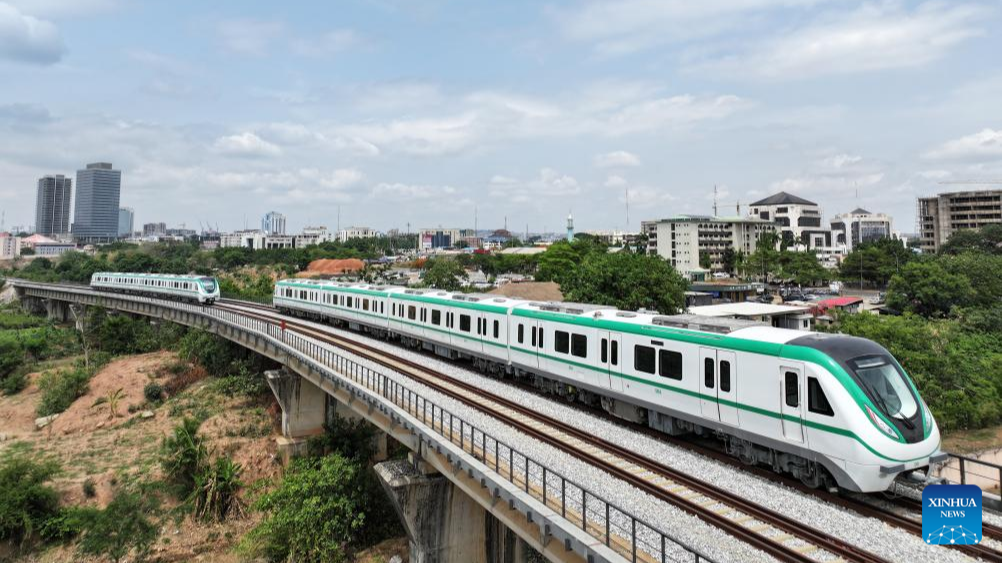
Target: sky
[[430, 112]]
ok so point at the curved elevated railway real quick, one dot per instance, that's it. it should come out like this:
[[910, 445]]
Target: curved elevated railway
[[774, 533]]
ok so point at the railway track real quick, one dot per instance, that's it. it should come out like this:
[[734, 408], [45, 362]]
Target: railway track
[[909, 521], [774, 533]]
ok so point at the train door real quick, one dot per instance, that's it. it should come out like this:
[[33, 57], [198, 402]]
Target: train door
[[708, 383], [791, 394], [727, 387], [609, 344]]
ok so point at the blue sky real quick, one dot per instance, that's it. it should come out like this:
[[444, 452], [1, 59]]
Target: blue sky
[[418, 112]]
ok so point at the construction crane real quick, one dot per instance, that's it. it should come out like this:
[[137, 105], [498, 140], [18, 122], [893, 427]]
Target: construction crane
[[973, 182], [737, 204]]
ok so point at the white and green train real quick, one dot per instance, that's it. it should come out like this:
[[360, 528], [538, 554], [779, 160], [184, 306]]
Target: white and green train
[[200, 289], [829, 409]]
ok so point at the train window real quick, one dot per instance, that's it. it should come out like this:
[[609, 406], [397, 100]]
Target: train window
[[792, 390], [436, 317], [348, 301], [725, 376], [615, 353], [412, 312], [644, 359], [541, 345], [604, 350], [579, 345], [708, 373], [365, 304], [497, 329], [561, 341], [521, 333], [464, 323], [817, 402], [533, 337], [670, 364]]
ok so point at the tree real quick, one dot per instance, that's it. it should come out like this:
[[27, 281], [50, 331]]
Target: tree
[[802, 268], [730, 259], [27, 502], [704, 260], [627, 281], [926, 288], [315, 514], [119, 528], [875, 262], [765, 260], [987, 240], [445, 274]]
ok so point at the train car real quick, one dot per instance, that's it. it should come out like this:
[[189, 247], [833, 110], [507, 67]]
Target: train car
[[200, 289], [828, 409]]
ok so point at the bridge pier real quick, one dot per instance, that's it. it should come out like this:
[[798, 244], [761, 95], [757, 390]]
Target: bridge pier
[[304, 406], [58, 311], [305, 409], [444, 524]]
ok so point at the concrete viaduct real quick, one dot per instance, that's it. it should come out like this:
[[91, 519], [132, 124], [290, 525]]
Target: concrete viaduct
[[458, 498]]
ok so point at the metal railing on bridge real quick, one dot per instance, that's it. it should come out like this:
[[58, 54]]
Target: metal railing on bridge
[[628, 535]]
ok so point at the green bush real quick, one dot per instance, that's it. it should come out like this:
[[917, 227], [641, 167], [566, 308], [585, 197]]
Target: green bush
[[119, 529], [27, 502], [350, 438], [153, 392], [14, 383], [316, 513], [183, 457], [89, 489], [59, 389], [216, 487]]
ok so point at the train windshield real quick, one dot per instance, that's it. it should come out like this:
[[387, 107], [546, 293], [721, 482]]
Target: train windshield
[[886, 385], [209, 284]]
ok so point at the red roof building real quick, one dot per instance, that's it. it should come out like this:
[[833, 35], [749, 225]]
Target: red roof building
[[847, 304]]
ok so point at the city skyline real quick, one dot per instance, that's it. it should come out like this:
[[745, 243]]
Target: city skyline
[[419, 115]]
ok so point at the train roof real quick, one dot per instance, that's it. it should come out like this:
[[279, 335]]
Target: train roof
[[153, 275], [583, 313]]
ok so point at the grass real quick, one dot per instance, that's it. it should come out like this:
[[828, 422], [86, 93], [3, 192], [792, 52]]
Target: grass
[[971, 441]]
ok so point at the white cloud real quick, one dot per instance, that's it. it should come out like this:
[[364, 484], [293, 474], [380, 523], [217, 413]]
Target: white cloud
[[615, 181], [250, 37], [483, 119], [245, 144], [985, 145], [263, 37], [874, 37], [836, 174], [617, 159], [27, 39], [618, 27], [331, 43], [400, 192], [549, 184], [65, 8]]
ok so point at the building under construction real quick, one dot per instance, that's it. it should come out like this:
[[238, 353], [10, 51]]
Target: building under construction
[[942, 215]]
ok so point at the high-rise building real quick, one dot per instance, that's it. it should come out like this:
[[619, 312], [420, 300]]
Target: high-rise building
[[126, 221], [52, 206], [155, 229], [356, 232], [859, 226], [942, 215], [95, 216], [273, 223], [799, 219], [681, 239]]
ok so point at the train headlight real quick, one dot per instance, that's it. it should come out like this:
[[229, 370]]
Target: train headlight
[[880, 422]]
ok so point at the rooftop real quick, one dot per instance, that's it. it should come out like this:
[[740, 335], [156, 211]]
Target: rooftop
[[783, 198], [747, 309]]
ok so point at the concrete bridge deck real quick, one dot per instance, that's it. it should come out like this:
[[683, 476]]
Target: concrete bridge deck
[[463, 497]]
